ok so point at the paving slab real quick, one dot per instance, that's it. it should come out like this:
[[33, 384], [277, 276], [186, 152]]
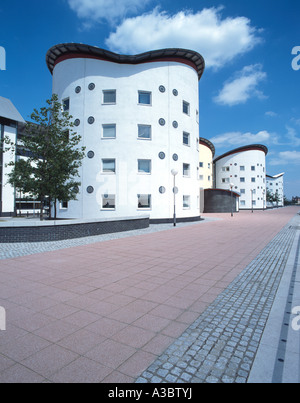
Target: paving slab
[[116, 305]]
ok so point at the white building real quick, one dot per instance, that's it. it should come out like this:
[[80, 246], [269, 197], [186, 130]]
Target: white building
[[9, 121], [275, 185], [245, 169], [206, 156], [138, 118]]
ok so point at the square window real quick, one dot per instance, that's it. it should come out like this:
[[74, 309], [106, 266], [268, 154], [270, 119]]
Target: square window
[[144, 132], [109, 131], [186, 107], [242, 168], [253, 168], [66, 104], [64, 205], [186, 138], [144, 98], [242, 180], [109, 166], [144, 201], [253, 180], [186, 170], [201, 164], [144, 166], [186, 202], [109, 202], [109, 96]]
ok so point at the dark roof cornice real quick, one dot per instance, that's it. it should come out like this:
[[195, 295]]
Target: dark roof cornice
[[65, 51]]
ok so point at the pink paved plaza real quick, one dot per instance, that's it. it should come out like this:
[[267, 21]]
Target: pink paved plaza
[[104, 312]]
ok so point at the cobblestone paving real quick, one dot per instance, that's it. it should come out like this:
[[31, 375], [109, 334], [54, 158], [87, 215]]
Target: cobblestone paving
[[221, 345]]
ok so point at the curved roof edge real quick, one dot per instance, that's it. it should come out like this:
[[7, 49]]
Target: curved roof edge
[[208, 144], [66, 51], [275, 176], [252, 147]]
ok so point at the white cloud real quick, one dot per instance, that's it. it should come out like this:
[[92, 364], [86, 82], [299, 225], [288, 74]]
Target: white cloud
[[242, 87], [242, 139], [219, 40], [286, 158], [271, 114], [292, 136], [110, 10]]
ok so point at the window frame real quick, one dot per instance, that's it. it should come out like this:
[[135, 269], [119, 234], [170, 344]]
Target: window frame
[[109, 196], [108, 172], [149, 206], [189, 170], [106, 125], [186, 105], [188, 136], [150, 132], [104, 92], [144, 92], [141, 172]]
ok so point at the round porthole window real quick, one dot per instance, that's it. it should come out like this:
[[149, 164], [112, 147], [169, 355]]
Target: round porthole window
[[175, 93], [175, 124], [77, 122], [90, 189], [91, 120], [91, 154], [175, 157], [162, 190], [162, 122], [162, 155], [92, 86], [78, 89], [162, 88]]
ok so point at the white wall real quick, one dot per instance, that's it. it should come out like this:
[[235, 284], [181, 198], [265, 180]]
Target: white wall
[[276, 185], [127, 80], [246, 159]]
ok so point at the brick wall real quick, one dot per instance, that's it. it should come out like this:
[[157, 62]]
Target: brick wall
[[60, 232]]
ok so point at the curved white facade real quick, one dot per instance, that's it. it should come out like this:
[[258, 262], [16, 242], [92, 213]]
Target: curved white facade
[[138, 122], [245, 168]]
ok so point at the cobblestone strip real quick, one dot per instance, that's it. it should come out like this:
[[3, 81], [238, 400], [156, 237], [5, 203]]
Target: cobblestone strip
[[221, 345]]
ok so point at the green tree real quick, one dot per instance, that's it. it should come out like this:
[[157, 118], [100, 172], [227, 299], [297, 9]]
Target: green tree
[[53, 156]]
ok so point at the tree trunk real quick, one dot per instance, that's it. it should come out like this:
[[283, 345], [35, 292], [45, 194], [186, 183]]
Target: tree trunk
[[55, 208], [42, 208]]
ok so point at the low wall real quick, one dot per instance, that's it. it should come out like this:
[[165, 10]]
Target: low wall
[[220, 201], [47, 231]]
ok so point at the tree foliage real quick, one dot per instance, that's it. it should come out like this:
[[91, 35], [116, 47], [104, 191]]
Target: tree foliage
[[52, 156]]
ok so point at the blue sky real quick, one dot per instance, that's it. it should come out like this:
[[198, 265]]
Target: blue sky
[[249, 92]]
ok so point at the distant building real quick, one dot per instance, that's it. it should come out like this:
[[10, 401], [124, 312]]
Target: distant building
[[10, 120], [296, 200], [244, 169], [275, 186]]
